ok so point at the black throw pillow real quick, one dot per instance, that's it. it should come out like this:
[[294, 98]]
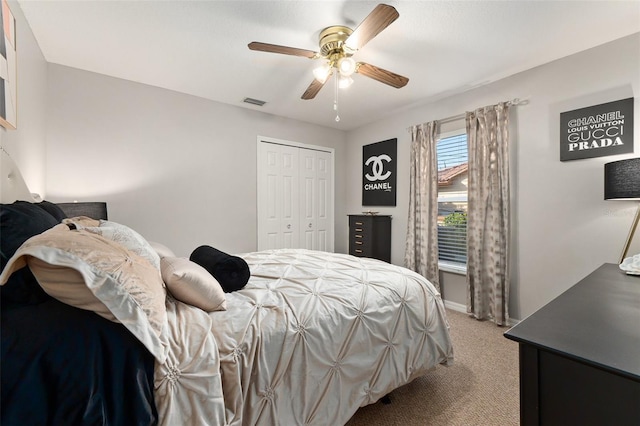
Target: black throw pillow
[[20, 221], [232, 272], [53, 209]]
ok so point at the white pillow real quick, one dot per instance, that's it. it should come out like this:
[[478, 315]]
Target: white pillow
[[119, 233], [192, 284], [90, 272]]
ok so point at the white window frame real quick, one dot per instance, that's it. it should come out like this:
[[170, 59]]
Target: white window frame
[[443, 265]]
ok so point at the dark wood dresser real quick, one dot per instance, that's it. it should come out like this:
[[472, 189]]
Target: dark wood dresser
[[370, 236], [580, 354]]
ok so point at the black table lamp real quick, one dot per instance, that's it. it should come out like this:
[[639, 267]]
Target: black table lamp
[[622, 182], [94, 210]]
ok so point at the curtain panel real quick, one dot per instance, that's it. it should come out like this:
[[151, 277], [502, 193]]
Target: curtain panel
[[488, 217], [421, 250]]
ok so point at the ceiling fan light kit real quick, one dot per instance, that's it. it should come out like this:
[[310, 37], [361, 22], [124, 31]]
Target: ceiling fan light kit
[[322, 72], [347, 66], [337, 44], [344, 81]]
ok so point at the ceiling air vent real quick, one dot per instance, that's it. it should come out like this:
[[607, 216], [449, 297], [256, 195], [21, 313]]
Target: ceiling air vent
[[253, 101]]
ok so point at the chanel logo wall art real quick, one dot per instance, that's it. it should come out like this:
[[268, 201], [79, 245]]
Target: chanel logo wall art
[[597, 131], [8, 87], [378, 167], [379, 173]]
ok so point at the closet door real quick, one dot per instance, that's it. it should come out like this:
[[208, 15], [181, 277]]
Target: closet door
[[295, 197], [316, 200], [278, 199]]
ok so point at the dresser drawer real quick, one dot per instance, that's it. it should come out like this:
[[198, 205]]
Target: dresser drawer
[[360, 233], [360, 244]]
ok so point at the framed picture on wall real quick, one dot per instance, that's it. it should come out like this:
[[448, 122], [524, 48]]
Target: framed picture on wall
[[8, 69], [379, 173], [597, 131]]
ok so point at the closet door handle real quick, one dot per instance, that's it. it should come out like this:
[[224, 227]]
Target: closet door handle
[[289, 226]]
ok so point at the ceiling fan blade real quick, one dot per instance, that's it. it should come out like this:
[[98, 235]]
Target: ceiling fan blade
[[285, 50], [383, 76], [379, 19], [313, 89]]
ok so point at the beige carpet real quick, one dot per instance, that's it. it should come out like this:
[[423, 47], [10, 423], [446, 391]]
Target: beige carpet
[[480, 388]]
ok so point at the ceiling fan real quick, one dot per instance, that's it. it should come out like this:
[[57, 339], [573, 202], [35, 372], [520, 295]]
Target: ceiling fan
[[337, 44]]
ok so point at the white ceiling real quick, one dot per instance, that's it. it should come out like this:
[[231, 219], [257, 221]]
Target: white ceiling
[[200, 47]]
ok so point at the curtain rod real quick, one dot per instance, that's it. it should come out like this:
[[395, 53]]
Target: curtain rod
[[512, 102]]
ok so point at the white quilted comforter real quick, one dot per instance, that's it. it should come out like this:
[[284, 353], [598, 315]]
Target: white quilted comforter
[[312, 337]]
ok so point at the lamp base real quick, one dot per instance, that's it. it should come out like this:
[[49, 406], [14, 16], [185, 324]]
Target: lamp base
[[632, 231]]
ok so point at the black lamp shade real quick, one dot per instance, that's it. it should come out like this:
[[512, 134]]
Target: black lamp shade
[[622, 180], [94, 210]]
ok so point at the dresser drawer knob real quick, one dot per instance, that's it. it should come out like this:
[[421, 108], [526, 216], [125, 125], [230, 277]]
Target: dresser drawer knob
[[359, 242], [358, 229], [358, 223], [358, 236], [358, 251]]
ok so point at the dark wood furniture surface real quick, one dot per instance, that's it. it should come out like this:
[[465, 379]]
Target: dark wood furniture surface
[[370, 236], [580, 354]]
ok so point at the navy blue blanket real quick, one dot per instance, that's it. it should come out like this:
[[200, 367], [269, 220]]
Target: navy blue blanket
[[66, 366]]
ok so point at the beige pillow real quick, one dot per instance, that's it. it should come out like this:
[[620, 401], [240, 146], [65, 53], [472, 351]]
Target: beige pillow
[[192, 284], [161, 249], [90, 272]]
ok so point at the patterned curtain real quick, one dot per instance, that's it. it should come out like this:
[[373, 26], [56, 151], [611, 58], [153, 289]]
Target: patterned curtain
[[488, 217], [421, 251]]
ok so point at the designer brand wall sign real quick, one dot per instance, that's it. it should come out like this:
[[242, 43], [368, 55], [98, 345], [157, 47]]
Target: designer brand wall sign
[[597, 131], [379, 173]]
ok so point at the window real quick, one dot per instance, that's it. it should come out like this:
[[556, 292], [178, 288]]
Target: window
[[453, 157]]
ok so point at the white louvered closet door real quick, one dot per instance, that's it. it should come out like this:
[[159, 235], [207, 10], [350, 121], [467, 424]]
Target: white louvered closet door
[[295, 197]]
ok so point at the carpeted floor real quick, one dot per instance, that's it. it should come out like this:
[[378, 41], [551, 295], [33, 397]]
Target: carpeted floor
[[480, 388]]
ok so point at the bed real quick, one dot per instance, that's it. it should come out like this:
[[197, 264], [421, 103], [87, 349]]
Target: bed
[[309, 339]]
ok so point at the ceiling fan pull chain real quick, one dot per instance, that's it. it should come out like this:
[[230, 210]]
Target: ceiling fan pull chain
[[335, 97]]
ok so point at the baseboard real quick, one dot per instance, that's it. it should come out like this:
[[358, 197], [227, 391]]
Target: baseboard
[[459, 307]]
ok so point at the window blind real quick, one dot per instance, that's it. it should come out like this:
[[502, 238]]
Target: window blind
[[452, 155]]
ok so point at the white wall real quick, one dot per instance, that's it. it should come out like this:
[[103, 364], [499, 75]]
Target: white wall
[[179, 169], [563, 228], [26, 144]]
